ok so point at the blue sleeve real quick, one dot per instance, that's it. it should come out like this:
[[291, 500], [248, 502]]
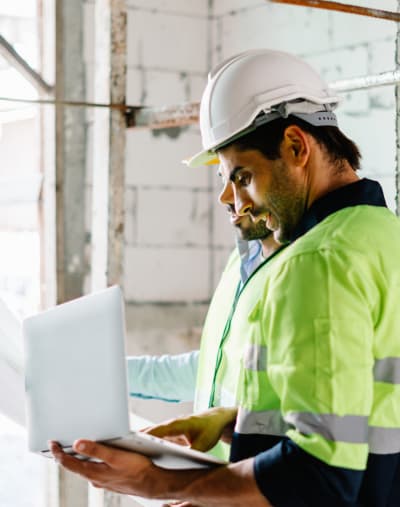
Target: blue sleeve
[[289, 477], [168, 378]]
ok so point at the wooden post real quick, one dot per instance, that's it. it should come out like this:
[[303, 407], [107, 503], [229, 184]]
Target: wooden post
[[109, 161]]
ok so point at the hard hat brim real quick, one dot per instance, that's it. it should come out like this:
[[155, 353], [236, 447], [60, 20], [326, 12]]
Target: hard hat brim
[[203, 158]]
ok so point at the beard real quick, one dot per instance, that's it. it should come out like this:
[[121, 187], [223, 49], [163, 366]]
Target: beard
[[285, 203], [253, 231]]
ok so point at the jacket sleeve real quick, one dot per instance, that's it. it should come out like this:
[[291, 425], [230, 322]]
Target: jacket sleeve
[[168, 377]]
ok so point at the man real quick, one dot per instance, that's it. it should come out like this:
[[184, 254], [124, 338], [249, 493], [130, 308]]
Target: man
[[319, 407], [173, 378]]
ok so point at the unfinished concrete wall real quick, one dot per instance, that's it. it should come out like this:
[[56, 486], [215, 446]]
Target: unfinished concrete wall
[[170, 250], [340, 46], [174, 242]]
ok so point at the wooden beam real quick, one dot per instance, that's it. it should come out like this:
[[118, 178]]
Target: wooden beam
[[109, 162], [109, 140]]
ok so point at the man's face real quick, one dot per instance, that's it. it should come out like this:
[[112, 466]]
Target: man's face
[[268, 191]]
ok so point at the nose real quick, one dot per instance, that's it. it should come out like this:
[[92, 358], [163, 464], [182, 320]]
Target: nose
[[226, 196], [231, 198]]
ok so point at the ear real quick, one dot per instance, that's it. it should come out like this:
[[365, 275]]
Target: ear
[[295, 146]]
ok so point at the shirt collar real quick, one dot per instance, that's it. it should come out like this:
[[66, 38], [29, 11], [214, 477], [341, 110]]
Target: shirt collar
[[363, 191], [250, 256]]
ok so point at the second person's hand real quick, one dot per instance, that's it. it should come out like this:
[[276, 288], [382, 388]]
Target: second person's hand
[[200, 431]]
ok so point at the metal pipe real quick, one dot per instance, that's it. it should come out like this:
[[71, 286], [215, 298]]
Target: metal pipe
[[337, 6], [372, 81], [188, 114], [69, 103], [16, 60], [164, 117]]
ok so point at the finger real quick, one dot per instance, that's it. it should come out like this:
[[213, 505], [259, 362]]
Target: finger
[[174, 428], [101, 452], [73, 464]]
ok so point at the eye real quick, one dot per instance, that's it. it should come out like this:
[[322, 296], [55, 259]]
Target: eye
[[243, 178]]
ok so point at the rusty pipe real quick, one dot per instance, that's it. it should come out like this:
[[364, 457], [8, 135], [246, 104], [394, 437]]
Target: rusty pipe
[[337, 6]]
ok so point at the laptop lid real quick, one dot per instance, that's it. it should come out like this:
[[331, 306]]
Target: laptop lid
[[75, 373], [76, 384]]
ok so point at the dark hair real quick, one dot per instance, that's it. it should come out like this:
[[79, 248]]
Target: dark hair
[[268, 138]]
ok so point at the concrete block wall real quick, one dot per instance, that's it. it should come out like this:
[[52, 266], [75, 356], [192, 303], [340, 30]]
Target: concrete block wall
[[173, 238]]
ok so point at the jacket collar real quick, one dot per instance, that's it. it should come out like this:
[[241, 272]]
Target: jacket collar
[[363, 191]]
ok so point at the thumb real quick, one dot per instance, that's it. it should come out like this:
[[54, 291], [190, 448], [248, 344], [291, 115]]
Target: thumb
[[96, 450]]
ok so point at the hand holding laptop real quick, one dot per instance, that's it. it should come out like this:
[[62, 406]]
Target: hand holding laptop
[[130, 473], [76, 382]]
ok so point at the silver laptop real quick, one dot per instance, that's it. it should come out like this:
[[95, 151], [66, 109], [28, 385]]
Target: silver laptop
[[76, 382]]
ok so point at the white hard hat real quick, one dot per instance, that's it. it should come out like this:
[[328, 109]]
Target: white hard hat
[[264, 81]]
